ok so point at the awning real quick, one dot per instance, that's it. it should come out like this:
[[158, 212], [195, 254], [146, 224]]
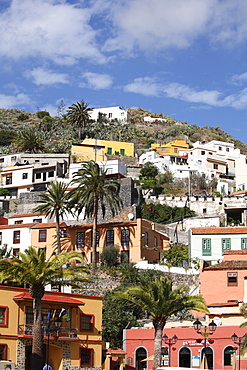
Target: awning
[[50, 298], [150, 358]]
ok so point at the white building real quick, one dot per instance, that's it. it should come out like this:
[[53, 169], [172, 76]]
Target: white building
[[210, 243], [153, 119], [17, 236], [111, 113], [112, 167]]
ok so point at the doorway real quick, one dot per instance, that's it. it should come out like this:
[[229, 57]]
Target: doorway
[[184, 357], [141, 354]]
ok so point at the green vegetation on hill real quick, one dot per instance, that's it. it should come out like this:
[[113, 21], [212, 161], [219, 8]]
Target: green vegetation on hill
[[60, 132]]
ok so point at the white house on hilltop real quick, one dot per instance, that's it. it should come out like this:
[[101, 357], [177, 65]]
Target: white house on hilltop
[[111, 113]]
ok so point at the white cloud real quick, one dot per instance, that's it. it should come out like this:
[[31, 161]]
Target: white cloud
[[151, 87], [58, 31], [238, 79], [96, 81], [42, 76], [14, 101]]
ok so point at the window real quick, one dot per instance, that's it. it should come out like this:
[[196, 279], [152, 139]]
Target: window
[[1, 160], [24, 176], [13, 158], [9, 180], [226, 244], [204, 210], [232, 279], [86, 357], [3, 352], [50, 173], [87, 322], [109, 150], [110, 115], [199, 161], [3, 316], [36, 160], [243, 243], [155, 242], [19, 222], [227, 149], [125, 237], [220, 148], [16, 237], [146, 239], [216, 166], [38, 220], [109, 237], [80, 239], [206, 247], [42, 236], [16, 252], [1, 238], [122, 151], [38, 175], [210, 153], [175, 150], [63, 233], [202, 152]]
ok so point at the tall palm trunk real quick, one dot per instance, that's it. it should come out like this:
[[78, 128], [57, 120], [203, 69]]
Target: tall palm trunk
[[158, 327], [36, 360], [94, 241], [58, 232]]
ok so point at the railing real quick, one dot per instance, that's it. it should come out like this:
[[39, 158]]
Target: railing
[[61, 332]]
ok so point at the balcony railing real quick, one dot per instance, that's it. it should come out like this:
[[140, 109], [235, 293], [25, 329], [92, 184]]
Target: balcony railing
[[62, 332]]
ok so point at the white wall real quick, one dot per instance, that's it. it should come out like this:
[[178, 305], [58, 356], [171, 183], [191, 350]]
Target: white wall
[[111, 113]]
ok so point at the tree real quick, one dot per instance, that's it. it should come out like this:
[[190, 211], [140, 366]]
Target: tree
[[32, 268], [55, 202], [110, 256], [29, 141], [5, 252], [243, 310], [94, 190], [176, 255], [78, 114], [158, 298]]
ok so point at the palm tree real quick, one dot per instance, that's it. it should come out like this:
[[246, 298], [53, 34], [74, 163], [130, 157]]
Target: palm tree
[[54, 202], [158, 298], [29, 141], [243, 346], [78, 114], [93, 191], [32, 268]]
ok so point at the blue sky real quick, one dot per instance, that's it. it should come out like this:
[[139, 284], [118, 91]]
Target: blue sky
[[185, 58]]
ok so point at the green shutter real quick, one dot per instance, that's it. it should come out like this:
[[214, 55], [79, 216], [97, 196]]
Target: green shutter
[[206, 247]]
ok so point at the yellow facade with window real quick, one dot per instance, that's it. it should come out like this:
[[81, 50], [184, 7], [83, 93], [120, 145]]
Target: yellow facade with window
[[171, 148], [76, 343], [96, 150]]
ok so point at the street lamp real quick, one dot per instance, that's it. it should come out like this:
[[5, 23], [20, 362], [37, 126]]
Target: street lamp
[[206, 332], [170, 342], [49, 330], [239, 341]]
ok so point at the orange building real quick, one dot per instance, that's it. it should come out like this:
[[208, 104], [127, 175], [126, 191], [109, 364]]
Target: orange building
[[137, 240], [77, 343]]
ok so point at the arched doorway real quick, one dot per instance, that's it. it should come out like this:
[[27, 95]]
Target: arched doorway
[[184, 357], [228, 355], [141, 354], [208, 353]]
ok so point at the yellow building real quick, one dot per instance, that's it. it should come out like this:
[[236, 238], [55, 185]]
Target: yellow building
[[137, 240], [171, 148], [96, 150], [76, 344]]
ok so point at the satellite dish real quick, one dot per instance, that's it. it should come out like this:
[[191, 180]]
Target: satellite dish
[[131, 216], [217, 320]]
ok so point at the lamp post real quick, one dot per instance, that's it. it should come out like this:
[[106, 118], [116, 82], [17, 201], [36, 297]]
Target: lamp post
[[239, 341], [205, 332], [49, 330], [170, 342]]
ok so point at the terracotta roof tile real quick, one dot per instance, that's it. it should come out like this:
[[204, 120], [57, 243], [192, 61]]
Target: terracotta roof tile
[[224, 304], [16, 226], [50, 298], [219, 230], [26, 215], [228, 265]]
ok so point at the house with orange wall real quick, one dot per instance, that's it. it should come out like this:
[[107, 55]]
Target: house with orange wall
[[76, 344], [224, 287], [137, 240]]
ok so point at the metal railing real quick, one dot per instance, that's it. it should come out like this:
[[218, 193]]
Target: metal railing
[[61, 332]]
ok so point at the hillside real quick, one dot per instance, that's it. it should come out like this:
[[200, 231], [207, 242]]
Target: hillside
[[58, 134]]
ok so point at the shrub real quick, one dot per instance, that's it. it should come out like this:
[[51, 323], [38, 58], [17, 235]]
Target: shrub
[[42, 113], [4, 192], [22, 117], [109, 256]]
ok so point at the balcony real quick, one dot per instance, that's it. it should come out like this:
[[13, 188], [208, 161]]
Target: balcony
[[61, 332]]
